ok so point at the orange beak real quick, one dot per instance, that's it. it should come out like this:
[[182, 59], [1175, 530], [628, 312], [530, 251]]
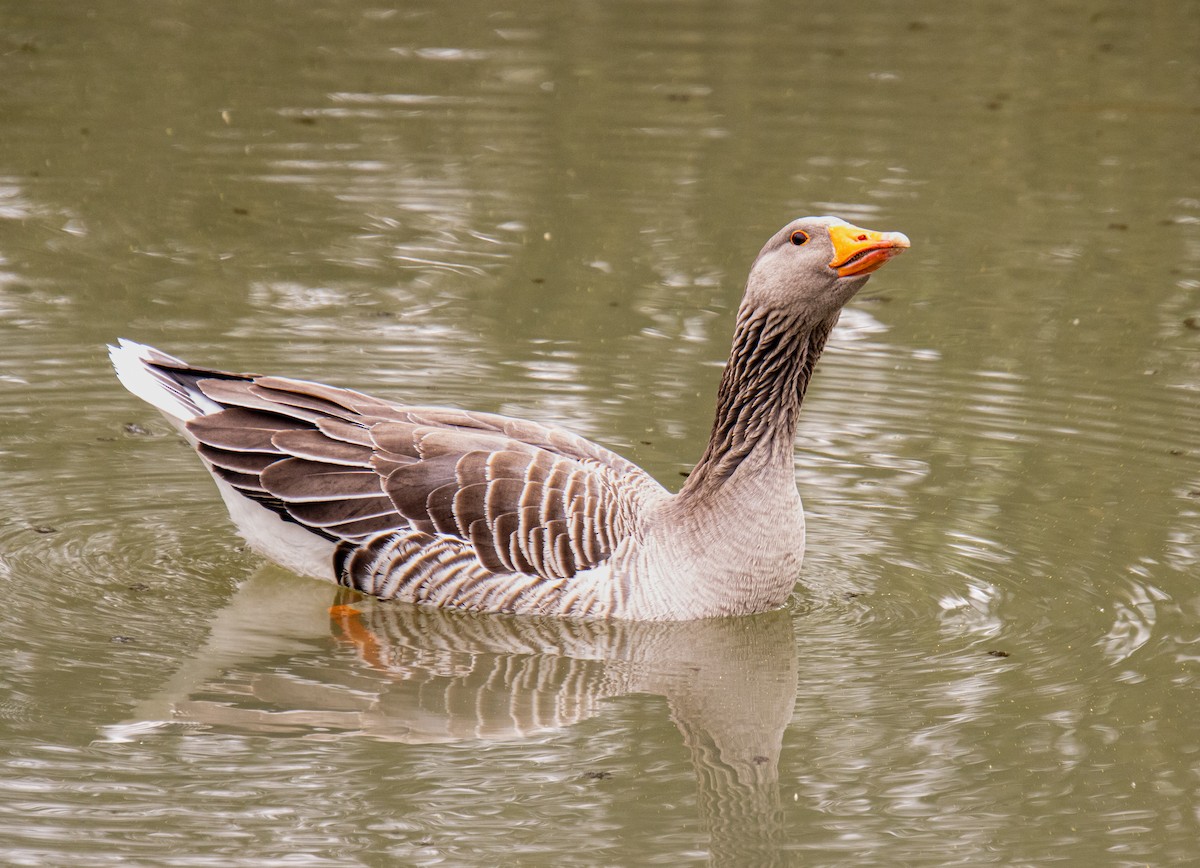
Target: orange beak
[[861, 251]]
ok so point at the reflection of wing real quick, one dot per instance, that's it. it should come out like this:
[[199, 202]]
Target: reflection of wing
[[446, 681], [425, 675]]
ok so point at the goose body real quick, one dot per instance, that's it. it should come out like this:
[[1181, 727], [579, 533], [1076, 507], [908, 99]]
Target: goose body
[[483, 512]]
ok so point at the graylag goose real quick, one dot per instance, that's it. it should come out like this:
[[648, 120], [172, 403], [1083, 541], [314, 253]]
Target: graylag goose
[[486, 513]]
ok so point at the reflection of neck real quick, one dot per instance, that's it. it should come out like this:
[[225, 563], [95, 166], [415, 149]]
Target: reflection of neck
[[732, 695], [739, 797], [761, 391]]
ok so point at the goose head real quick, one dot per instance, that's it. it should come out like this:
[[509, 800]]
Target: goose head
[[815, 265]]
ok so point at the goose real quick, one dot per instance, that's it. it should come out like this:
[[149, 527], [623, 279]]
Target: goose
[[486, 513]]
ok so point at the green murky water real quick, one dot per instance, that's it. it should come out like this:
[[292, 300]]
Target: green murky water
[[547, 210]]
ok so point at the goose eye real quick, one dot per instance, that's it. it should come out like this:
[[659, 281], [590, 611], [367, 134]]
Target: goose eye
[[799, 237]]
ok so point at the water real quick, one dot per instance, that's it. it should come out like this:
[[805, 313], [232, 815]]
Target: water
[[548, 211]]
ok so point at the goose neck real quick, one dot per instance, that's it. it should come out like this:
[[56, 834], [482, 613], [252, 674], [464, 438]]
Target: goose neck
[[758, 402]]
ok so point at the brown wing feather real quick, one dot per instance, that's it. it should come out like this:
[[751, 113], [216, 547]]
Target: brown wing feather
[[239, 462], [299, 480], [317, 446], [330, 513], [241, 430], [395, 438], [331, 400], [241, 393], [409, 485], [345, 432]]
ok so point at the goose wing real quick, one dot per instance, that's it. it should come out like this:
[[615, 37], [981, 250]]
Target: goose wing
[[396, 487]]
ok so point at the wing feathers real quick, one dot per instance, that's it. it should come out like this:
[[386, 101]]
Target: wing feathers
[[357, 529], [327, 399], [439, 505], [347, 432], [502, 496], [241, 393], [330, 513], [516, 555], [239, 462], [483, 541], [470, 502], [297, 480], [316, 446], [409, 485], [426, 502], [247, 483], [241, 430], [395, 438], [432, 442]]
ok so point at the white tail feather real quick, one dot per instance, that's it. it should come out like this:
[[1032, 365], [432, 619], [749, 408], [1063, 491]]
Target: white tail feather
[[132, 361], [287, 543]]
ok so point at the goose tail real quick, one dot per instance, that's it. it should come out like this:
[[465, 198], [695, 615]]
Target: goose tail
[[161, 380]]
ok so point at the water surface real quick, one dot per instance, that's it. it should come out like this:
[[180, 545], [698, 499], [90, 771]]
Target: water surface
[[993, 654]]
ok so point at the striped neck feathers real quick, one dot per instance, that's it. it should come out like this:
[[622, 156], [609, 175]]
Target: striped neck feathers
[[758, 402]]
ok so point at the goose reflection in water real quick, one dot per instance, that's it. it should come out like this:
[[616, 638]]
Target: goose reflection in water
[[425, 676]]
